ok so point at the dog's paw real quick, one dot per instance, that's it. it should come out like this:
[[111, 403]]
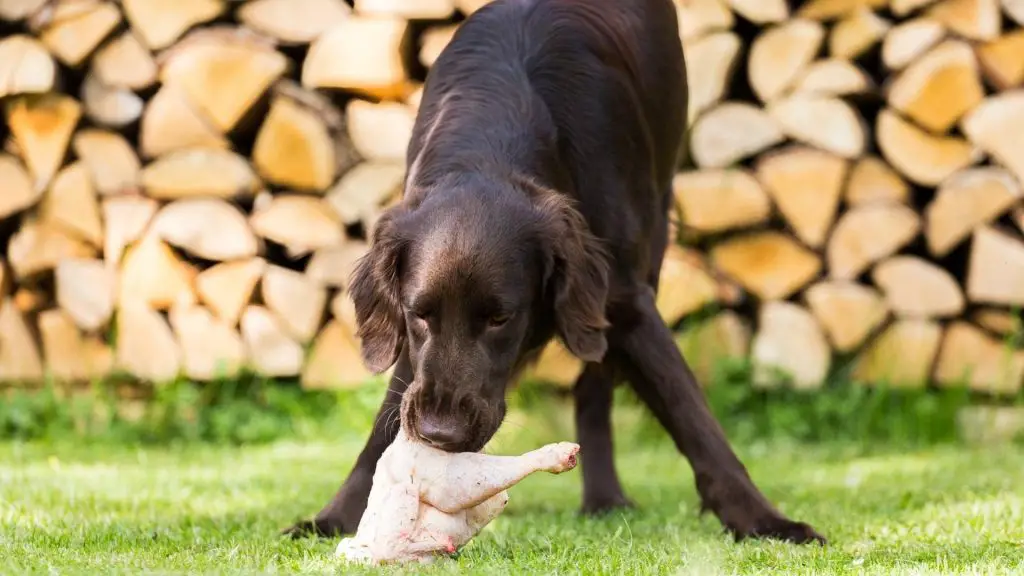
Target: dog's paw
[[600, 506], [560, 457], [318, 528], [778, 528]]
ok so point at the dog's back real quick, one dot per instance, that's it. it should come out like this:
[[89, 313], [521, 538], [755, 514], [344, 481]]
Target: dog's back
[[598, 84]]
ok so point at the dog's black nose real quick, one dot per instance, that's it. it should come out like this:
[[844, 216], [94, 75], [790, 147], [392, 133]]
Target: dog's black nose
[[437, 433]]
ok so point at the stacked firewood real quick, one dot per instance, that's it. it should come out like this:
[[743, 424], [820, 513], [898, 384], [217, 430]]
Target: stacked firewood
[[185, 186]]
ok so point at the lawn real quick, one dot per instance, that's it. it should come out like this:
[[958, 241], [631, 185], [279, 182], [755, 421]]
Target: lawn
[[108, 508]]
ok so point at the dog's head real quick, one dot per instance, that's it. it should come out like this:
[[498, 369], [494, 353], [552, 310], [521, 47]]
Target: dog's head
[[472, 279]]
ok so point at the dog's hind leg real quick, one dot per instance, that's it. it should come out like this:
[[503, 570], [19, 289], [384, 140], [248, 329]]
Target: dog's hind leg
[[662, 379], [342, 514], [602, 491]]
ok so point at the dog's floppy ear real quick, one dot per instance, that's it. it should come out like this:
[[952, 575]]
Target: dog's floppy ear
[[577, 276], [376, 293]]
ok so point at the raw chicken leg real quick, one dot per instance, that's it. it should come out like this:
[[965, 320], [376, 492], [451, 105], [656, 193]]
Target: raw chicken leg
[[426, 501]]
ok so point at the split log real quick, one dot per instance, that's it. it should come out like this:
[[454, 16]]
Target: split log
[[194, 172], [20, 360], [555, 365], [1014, 10], [170, 123], [822, 122], [335, 360], [938, 88], [434, 41], [70, 356], [1001, 322], [857, 33], [86, 291], [1002, 60], [902, 356], [716, 200], [418, 10], [711, 64], [467, 7], [826, 10], [779, 54], [42, 128], [684, 287], [15, 10], [71, 204], [761, 11], [995, 126], [700, 17], [333, 266], [343, 309], [227, 288], [380, 131], [145, 348], [867, 234], [359, 194], [37, 247], [161, 22], [769, 264], [153, 275], [873, 180], [726, 336], [25, 66], [805, 185], [969, 356], [849, 312], [111, 161], [972, 19], [789, 343], [966, 200], [297, 300], [299, 223], [29, 300], [208, 228], [109, 106], [833, 77], [901, 8], [293, 21], [223, 72], [995, 271], [302, 143], [19, 193], [916, 288], [73, 39], [269, 350], [907, 41], [730, 132], [211, 349], [359, 54], [125, 219], [922, 157], [125, 63]]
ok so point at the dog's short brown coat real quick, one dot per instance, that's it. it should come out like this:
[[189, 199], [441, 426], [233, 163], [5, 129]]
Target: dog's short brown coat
[[536, 206]]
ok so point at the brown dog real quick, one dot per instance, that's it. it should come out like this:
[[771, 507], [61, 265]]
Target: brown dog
[[536, 205]]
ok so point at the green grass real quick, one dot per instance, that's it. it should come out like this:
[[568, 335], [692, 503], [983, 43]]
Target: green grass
[[70, 507]]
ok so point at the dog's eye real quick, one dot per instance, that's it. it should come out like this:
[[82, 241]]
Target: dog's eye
[[496, 320]]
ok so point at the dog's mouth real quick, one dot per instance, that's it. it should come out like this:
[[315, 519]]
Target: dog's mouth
[[451, 430]]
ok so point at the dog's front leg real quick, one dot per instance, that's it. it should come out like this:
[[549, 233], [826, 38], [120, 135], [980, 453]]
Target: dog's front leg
[[662, 379], [342, 514], [602, 491]]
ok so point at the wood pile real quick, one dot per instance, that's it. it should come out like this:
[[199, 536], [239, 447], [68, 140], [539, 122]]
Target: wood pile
[[186, 185]]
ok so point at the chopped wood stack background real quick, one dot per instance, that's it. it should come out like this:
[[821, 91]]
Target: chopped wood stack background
[[186, 184]]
